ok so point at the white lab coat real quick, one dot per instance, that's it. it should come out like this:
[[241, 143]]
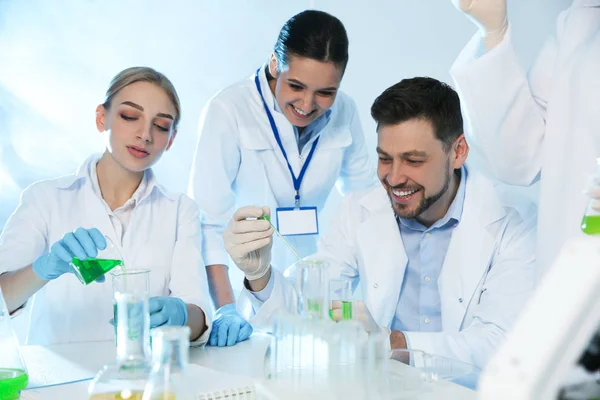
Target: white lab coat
[[487, 275], [549, 123], [238, 163], [163, 236]]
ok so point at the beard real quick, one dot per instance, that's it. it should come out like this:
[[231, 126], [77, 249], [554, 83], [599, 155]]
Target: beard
[[402, 211]]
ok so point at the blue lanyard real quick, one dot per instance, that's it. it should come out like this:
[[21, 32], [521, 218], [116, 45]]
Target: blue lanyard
[[297, 181]]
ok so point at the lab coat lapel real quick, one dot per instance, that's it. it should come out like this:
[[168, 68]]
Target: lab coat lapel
[[284, 128], [384, 257], [470, 251]]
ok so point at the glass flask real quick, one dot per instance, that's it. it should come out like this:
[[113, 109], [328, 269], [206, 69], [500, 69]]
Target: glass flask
[[13, 374], [90, 269], [125, 379], [170, 377]]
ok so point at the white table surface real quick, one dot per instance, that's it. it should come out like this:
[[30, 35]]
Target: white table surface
[[64, 371]]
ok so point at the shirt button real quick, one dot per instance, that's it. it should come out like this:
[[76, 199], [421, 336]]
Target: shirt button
[[427, 234], [427, 279], [460, 299], [427, 320], [375, 285]]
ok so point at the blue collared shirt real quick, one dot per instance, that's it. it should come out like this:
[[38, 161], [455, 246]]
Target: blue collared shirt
[[419, 307]]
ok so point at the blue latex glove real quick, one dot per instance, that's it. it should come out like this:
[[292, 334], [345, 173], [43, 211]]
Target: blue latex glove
[[229, 327], [82, 243], [167, 311]]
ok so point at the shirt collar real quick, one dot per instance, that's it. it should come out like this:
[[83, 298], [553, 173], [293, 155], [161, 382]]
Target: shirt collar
[[452, 216], [86, 173]]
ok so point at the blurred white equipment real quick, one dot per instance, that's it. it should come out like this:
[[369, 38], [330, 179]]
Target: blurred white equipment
[[553, 330]]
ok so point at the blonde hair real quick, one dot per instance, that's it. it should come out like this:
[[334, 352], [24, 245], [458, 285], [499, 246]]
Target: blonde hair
[[143, 74]]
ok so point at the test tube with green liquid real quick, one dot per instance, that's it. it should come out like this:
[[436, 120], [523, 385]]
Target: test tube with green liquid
[[340, 292], [266, 218]]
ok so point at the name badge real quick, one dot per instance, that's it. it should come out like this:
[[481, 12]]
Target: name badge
[[297, 221]]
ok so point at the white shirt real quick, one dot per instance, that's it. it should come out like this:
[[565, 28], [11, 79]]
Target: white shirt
[[238, 163], [163, 236]]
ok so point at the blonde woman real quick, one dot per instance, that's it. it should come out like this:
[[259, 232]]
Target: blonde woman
[[114, 194]]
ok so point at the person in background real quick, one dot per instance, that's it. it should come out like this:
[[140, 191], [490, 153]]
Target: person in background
[[542, 126]]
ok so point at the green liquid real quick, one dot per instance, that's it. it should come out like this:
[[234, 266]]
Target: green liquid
[[591, 224], [346, 310], [11, 382], [314, 306], [91, 269]]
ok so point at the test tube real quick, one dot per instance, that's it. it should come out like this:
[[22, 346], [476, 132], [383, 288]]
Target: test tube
[[340, 298]]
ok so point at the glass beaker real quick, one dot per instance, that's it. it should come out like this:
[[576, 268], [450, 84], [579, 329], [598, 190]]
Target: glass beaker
[[13, 374], [170, 378], [340, 298], [310, 278], [90, 269], [126, 377], [433, 367], [135, 281]]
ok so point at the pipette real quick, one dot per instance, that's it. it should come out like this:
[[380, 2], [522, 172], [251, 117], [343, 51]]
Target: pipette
[[266, 218]]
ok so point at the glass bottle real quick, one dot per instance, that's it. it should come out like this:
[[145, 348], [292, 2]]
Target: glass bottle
[[13, 374], [125, 379], [170, 378], [591, 220]]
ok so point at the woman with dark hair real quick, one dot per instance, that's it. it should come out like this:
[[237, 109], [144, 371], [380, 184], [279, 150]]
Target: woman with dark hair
[[283, 138]]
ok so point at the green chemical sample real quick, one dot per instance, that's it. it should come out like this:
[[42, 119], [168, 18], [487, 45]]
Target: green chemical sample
[[314, 305], [91, 269], [591, 224], [266, 218], [346, 310], [11, 382]]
